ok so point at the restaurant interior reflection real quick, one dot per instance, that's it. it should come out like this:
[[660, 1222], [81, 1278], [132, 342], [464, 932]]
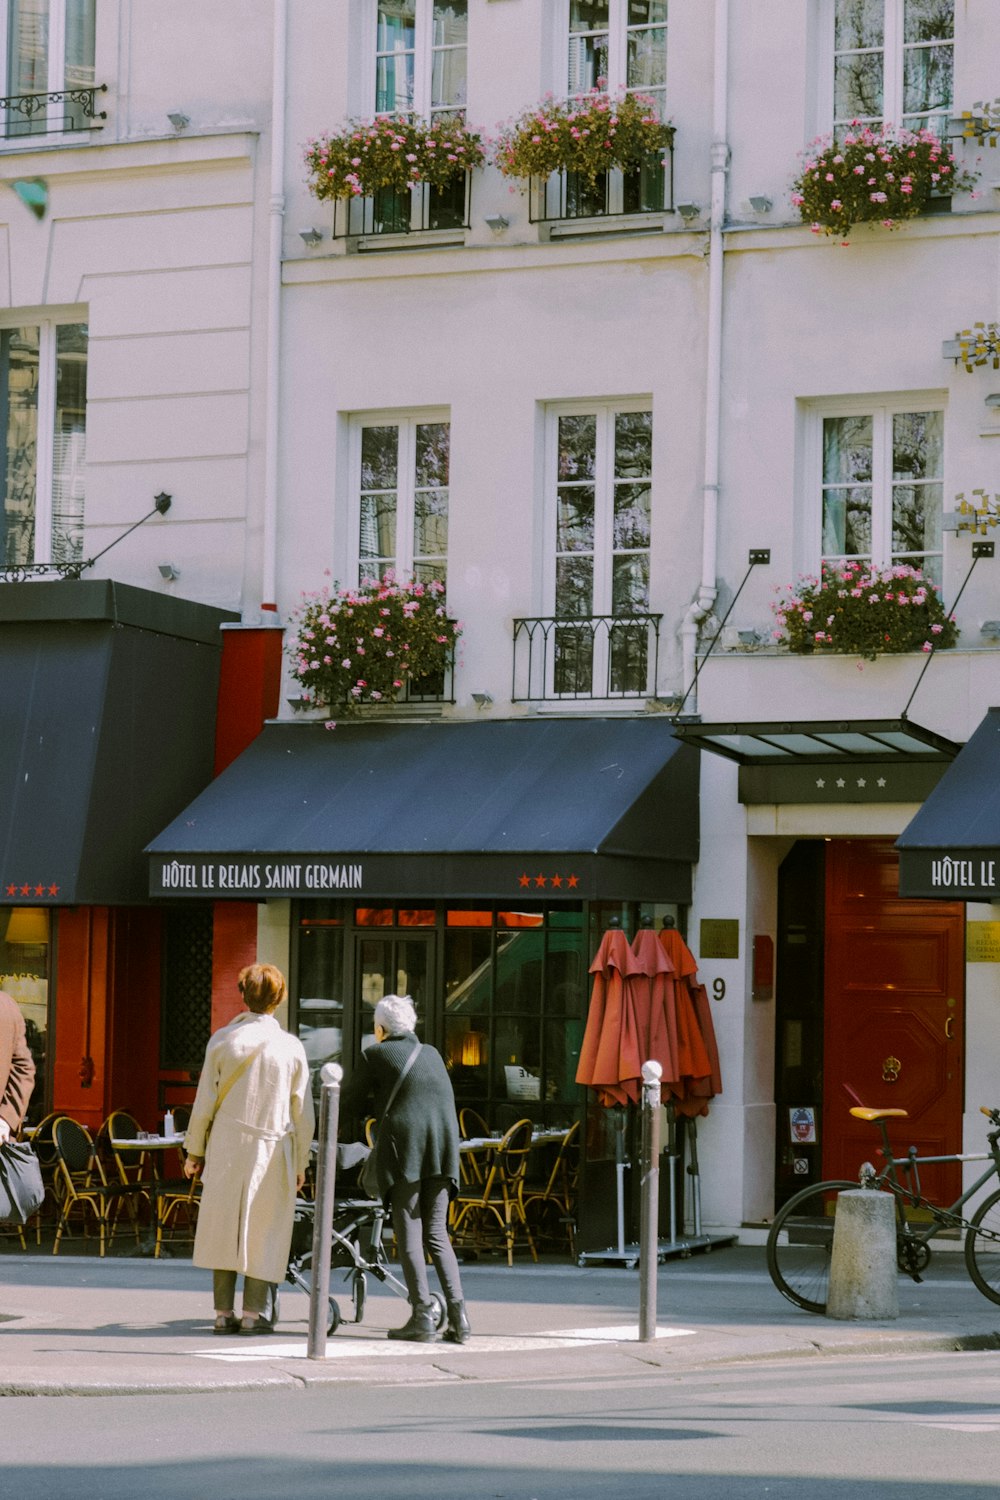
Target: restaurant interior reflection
[[24, 975]]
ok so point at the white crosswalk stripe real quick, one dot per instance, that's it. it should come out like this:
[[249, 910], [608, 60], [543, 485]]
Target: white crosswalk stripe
[[343, 1346]]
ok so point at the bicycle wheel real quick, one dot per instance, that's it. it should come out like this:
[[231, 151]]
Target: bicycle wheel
[[982, 1248], [800, 1242]]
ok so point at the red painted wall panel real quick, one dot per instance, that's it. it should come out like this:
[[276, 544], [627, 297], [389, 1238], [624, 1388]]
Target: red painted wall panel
[[234, 945], [249, 685]]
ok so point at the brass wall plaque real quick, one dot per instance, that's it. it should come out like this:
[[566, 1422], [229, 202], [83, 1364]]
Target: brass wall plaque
[[719, 938], [982, 942]]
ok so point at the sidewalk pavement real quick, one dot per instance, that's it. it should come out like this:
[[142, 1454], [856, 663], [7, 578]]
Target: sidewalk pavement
[[83, 1326]]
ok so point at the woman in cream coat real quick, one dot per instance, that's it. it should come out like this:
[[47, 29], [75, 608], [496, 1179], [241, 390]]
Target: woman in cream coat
[[251, 1130]]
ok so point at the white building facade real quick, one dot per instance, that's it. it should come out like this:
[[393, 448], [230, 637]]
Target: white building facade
[[573, 409]]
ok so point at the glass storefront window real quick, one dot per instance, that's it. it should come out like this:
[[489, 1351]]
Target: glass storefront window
[[501, 992], [24, 975], [321, 994]]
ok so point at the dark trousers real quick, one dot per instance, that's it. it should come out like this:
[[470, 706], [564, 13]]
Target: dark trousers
[[258, 1296], [420, 1223]]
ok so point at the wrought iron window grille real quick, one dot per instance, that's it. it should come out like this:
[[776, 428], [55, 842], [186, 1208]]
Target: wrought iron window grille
[[26, 114], [414, 210], [557, 658], [647, 189]]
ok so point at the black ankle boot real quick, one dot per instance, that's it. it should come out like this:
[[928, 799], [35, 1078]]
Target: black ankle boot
[[420, 1328], [458, 1330]]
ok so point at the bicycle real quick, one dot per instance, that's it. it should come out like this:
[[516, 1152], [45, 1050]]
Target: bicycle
[[800, 1240]]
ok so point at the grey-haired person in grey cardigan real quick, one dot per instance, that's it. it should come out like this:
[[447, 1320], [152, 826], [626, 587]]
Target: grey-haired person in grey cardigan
[[416, 1160]]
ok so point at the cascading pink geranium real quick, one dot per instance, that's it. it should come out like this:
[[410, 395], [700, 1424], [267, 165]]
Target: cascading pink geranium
[[363, 645]]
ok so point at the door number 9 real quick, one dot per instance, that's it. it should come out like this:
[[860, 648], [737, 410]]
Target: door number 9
[[718, 989]]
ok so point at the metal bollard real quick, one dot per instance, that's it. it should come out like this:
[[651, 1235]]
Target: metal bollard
[[326, 1181], [649, 1212]]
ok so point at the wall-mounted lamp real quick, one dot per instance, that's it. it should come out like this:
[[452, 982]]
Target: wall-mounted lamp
[[169, 572], [688, 211], [482, 700], [310, 236], [497, 222], [28, 926], [178, 120], [760, 204]]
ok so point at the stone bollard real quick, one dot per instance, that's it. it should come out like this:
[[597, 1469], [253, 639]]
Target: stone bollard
[[863, 1278]]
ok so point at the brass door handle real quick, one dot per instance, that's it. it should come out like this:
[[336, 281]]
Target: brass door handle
[[949, 1023], [891, 1069]]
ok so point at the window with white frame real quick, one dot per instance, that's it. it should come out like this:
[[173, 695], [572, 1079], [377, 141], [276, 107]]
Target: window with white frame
[[43, 429], [880, 472], [600, 476], [888, 62], [401, 467], [420, 57], [48, 50], [618, 46], [611, 47]]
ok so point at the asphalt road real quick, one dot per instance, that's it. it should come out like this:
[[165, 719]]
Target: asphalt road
[[864, 1428]]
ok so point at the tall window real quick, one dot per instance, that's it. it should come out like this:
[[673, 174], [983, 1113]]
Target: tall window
[[43, 426], [402, 511], [420, 57], [616, 45], [612, 47], [893, 61], [601, 480], [881, 486], [49, 48]]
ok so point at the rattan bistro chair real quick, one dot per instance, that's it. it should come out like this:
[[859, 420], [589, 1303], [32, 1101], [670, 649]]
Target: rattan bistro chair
[[551, 1202], [130, 1166], [493, 1209], [472, 1162], [84, 1187], [176, 1211]]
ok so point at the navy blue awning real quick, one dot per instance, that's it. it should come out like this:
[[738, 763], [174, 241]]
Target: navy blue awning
[[109, 697], [555, 807], [951, 849]]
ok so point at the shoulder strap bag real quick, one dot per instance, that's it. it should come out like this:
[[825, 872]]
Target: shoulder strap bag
[[21, 1186], [368, 1176]]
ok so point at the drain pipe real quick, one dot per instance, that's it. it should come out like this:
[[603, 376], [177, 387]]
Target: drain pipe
[[701, 606], [276, 225]]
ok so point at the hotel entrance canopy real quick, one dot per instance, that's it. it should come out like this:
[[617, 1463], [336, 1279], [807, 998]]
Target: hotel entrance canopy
[[827, 760], [541, 808]]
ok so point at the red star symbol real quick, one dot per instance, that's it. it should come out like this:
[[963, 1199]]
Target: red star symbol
[[573, 881], [524, 880], [26, 890], [53, 890], [539, 880], [556, 881], [12, 890], [39, 890]]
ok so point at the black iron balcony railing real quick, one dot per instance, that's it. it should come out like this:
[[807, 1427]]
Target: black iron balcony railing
[[647, 189], [436, 687], [595, 656], [407, 211], [57, 112]]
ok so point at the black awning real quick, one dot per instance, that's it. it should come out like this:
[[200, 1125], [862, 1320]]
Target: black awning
[[109, 697], [551, 807], [951, 849]]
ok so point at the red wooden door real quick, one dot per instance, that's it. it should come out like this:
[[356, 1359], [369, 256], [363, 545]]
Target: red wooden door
[[894, 989]]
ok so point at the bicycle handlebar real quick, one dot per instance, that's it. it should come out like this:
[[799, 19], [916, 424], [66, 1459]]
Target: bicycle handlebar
[[991, 1114]]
